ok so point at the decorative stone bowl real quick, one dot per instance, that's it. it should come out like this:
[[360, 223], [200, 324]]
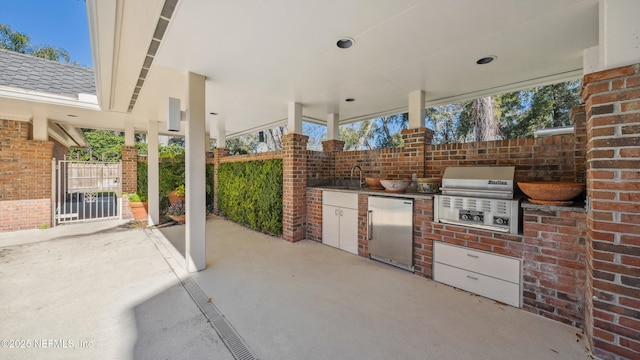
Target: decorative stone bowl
[[428, 185], [395, 186], [374, 183], [551, 192]]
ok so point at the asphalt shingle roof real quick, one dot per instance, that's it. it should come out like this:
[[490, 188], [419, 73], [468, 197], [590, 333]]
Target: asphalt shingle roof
[[32, 73]]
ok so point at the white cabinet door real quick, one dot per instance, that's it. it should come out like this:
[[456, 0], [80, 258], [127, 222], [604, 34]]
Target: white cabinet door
[[349, 230], [331, 225]]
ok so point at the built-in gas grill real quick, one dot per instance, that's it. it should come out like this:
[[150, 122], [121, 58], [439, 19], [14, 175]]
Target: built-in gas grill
[[479, 197]]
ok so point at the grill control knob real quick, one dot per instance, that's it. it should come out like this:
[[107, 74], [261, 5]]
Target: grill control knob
[[499, 221], [465, 217], [476, 218]]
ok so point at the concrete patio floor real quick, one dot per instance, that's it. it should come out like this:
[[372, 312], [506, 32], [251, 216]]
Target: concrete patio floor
[[96, 291], [310, 301], [107, 291]]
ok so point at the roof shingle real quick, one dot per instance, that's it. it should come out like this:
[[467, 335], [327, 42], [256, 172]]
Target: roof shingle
[[31, 73]]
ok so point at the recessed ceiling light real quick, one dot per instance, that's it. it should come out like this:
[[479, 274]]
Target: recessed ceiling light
[[345, 43], [212, 113], [349, 99], [71, 115], [486, 60]]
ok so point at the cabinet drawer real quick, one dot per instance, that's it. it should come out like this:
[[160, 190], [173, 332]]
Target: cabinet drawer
[[340, 199], [497, 266], [492, 288]]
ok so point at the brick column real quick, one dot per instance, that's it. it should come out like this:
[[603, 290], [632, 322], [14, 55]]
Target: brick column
[[415, 141], [218, 153], [579, 122], [129, 169], [332, 145], [294, 183], [612, 102]]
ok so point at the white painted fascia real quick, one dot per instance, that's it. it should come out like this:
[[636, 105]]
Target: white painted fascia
[[85, 101], [101, 15], [15, 117]]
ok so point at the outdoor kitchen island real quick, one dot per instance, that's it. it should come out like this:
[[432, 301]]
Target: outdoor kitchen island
[[551, 247]]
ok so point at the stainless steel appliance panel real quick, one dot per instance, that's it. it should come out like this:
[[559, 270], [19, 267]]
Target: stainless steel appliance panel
[[390, 231]]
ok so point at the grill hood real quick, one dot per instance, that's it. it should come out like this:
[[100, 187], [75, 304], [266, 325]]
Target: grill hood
[[479, 181]]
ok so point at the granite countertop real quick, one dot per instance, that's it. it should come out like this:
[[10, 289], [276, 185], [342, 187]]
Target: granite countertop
[[367, 191], [577, 206]]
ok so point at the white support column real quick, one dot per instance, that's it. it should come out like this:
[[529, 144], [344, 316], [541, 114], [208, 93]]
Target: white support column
[[207, 141], [619, 31], [416, 109], [129, 133], [153, 173], [294, 125], [333, 126], [195, 176], [40, 128], [221, 135]]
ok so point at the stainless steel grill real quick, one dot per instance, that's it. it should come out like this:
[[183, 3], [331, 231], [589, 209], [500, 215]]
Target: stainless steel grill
[[479, 197]]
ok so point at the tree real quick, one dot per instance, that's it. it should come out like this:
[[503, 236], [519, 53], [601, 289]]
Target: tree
[[104, 145], [20, 42], [357, 136], [485, 126], [387, 130], [445, 123], [543, 107], [316, 133]]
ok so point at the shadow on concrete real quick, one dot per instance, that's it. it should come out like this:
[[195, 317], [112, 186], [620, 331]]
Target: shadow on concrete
[[170, 326]]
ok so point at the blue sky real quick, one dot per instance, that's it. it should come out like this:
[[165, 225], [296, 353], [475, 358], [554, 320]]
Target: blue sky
[[59, 23]]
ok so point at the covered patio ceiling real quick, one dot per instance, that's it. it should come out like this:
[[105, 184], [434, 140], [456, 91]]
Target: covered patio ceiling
[[258, 56]]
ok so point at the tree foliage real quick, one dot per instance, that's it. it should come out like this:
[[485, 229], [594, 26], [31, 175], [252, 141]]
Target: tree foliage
[[516, 114], [20, 42], [104, 145]]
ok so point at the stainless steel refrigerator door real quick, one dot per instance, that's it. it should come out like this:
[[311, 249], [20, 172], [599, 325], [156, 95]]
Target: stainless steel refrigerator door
[[391, 231]]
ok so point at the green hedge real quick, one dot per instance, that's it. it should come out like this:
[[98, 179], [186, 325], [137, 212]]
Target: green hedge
[[250, 193]]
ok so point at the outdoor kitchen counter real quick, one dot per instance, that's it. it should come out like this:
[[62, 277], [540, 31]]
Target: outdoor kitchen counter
[[577, 206], [367, 191]]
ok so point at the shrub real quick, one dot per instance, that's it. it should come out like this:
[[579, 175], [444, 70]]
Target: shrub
[[250, 193]]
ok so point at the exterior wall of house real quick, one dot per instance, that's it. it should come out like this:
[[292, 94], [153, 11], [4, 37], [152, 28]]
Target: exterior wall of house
[[25, 177], [612, 102]]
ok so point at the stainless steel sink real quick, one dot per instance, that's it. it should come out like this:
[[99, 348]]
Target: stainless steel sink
[[341, 184]]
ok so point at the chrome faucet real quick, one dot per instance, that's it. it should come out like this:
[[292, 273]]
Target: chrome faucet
[[360, 178]]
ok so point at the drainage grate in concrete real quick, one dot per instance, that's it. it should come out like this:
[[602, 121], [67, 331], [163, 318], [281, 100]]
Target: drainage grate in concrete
[[236, 345], [233, 341], [208, 309]]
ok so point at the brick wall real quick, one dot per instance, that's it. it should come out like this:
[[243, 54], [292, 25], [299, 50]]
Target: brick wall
[[314, 214], [559, 157], [612, 104], [320, 166], [250, 157], [389, 163], [554, 263], [25, 177], [363, 207], [423, 237]]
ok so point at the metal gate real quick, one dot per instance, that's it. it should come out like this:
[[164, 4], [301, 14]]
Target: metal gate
[[86, 190]]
